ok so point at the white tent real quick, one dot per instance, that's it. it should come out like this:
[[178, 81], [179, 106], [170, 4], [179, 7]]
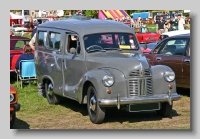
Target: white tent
[[15, 16], [186, 11]]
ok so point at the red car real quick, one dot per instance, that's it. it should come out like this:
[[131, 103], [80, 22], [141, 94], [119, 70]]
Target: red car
[[16, 49], [145, 36], [14, 105]]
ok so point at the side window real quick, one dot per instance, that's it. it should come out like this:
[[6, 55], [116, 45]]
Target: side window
[[174, 47], [54, 41], [42, 35], [73, 44], [20, 44], [158, 48]]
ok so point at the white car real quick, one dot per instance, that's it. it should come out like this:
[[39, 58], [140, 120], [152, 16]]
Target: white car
[[173, 33]]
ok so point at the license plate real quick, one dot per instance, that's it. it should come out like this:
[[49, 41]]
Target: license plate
[[143, 107]]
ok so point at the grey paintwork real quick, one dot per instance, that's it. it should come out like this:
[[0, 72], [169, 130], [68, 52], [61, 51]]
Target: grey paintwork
[[70, 72]]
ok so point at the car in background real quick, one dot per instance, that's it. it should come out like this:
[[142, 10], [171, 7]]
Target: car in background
[[173, 52], [18, 28], [145, 36], [173, 33], [14, 105], [16, 49]]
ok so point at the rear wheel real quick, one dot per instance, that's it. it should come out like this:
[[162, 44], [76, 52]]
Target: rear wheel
[[51, 97], [96, 113], [165, 110]]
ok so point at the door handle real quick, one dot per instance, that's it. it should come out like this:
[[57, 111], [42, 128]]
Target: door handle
[[158, 58], [187, 60]]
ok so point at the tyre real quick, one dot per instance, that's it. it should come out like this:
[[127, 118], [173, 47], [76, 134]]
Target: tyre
[[165, 110], [13, 120], [51, 97], [96, 113]]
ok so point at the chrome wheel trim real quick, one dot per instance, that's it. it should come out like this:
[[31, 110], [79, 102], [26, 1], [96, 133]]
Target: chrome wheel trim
[[93, 104]]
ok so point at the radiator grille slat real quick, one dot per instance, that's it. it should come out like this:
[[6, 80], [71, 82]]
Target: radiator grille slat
[[140, 86]]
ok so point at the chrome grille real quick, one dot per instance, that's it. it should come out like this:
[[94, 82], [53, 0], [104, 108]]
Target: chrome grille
[[133, 87], [149, 86], [137, 73], [140, 87]]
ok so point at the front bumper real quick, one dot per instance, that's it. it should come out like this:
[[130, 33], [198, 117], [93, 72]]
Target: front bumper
[[15, 107], [138, 100]]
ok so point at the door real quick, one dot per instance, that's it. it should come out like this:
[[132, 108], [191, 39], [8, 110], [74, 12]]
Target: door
[[73, 65], [151, 56], [186, 69], [171, 54], [53, 62]]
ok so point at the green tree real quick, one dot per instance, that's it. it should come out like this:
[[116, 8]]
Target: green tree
[[91, 13]]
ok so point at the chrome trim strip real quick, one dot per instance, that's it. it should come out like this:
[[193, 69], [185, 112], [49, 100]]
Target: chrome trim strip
[[137, 100]]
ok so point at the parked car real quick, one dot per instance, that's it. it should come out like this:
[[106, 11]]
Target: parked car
[[173, 33], [146, 48], [16, 49], [145, 36], [174, 52], [14, 105], [77, 62]]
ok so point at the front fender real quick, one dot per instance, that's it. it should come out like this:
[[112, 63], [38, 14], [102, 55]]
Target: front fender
[[159, 85], [96, 76]]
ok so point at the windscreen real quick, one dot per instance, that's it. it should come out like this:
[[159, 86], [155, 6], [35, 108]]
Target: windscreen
[[110, 41]]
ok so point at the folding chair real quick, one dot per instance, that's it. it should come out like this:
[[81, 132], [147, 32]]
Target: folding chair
[[26, 71]]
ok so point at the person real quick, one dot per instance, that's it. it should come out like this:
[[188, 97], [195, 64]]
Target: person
[[160, 26], [138, 20], [168, 26], [11, 33], [116, 19], [33, 35], [32, 42], [28, 55], [181, 23]]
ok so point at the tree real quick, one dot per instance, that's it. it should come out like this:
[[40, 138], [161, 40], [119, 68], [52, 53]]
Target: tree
[[91, 13]]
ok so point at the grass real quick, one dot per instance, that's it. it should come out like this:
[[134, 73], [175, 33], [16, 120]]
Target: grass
[[37, 113]]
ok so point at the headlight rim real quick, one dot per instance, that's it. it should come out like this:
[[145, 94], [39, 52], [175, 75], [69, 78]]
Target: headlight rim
[[165, 76], [13, 96], [103, 80]]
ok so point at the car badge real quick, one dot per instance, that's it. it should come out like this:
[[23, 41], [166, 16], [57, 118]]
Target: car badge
[[142, 72]]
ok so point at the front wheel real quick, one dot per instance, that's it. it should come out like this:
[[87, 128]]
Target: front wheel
[[96, 113], [165, 110], [13, 120]]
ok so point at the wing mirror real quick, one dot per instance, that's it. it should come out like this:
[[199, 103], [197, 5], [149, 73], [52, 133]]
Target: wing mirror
[[145, 46]]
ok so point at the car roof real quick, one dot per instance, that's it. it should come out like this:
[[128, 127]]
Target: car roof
[[177, 32], [181, 36], [88, 26]]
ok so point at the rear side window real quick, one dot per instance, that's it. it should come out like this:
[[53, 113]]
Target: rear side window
[[54, 41], [42, 35]]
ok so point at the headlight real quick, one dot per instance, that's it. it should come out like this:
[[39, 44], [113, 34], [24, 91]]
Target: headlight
[[12, 97], [108, 80], [169, 76]]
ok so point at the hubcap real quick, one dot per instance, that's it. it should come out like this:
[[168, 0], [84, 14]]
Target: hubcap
[[93, 103], [50, 90]]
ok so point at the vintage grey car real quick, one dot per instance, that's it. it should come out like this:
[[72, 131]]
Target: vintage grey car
[[99, 63]]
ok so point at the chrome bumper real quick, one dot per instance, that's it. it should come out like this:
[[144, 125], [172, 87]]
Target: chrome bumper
[[137, 100]]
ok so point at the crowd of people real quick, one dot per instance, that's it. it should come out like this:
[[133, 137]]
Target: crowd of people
[[166, 26]]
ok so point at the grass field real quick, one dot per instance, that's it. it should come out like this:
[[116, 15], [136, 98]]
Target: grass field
[[36, 113]]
